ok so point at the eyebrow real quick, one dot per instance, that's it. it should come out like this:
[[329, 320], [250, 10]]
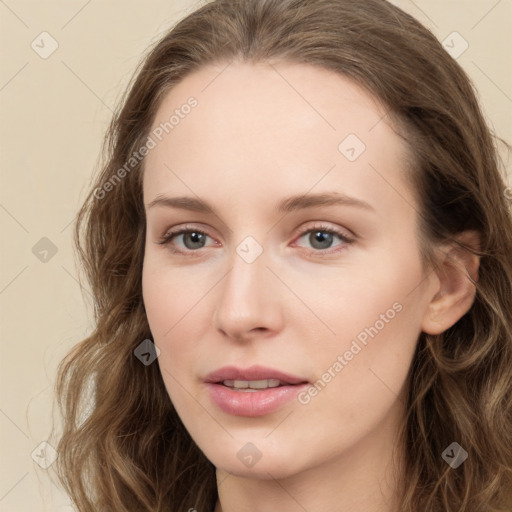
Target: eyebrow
[[288, 205]]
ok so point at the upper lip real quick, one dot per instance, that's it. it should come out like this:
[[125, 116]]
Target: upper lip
[[252, 373]]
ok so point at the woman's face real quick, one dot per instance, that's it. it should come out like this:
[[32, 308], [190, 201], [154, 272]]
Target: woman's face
[[299, 267]]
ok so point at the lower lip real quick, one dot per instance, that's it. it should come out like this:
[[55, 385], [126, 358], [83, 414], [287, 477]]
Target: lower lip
[[253, 403]]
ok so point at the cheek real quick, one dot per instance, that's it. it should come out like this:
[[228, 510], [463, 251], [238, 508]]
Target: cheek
[[360, 389], [176, 310], [375, 313], [374, 294], [171, 294]]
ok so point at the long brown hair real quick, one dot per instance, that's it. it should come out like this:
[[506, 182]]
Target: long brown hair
[[123, 447]]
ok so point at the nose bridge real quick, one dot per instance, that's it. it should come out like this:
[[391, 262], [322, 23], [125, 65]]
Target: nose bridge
[[247, 298]]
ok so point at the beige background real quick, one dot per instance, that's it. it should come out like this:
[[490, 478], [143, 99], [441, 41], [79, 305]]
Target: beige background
[[54, 112]]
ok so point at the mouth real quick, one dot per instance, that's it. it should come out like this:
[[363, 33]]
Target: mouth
[[258, 375], [253, 391], [253, 385]]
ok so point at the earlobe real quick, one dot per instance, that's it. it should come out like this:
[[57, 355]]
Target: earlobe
[[457, 273]]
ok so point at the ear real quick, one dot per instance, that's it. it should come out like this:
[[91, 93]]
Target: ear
[[455, 292]]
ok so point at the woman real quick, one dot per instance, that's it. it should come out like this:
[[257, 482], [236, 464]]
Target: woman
[[300, 252]]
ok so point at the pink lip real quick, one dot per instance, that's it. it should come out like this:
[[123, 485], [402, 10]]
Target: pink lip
[[252, 373], [252, 403]]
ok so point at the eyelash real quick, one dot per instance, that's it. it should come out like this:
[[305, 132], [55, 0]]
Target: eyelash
[[168, 237]]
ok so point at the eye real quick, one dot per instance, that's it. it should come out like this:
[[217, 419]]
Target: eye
[[321, 238], [185, 239]]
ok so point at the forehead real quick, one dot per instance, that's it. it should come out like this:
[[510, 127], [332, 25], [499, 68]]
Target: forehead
[[261, 128], [313, 100]]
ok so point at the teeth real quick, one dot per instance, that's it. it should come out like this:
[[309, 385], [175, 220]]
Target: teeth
[[252, 384]]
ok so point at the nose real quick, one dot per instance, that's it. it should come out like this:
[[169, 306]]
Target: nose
[[249, 301]]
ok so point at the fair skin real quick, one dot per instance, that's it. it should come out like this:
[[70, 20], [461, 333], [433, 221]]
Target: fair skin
[[258, 136]]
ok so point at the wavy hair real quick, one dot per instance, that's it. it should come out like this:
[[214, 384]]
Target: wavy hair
[[122, 445]]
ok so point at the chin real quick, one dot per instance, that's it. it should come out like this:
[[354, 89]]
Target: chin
[[263, 463]]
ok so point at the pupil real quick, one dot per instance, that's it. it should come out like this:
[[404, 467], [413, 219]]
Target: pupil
[[196, 240], [320, 240]]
